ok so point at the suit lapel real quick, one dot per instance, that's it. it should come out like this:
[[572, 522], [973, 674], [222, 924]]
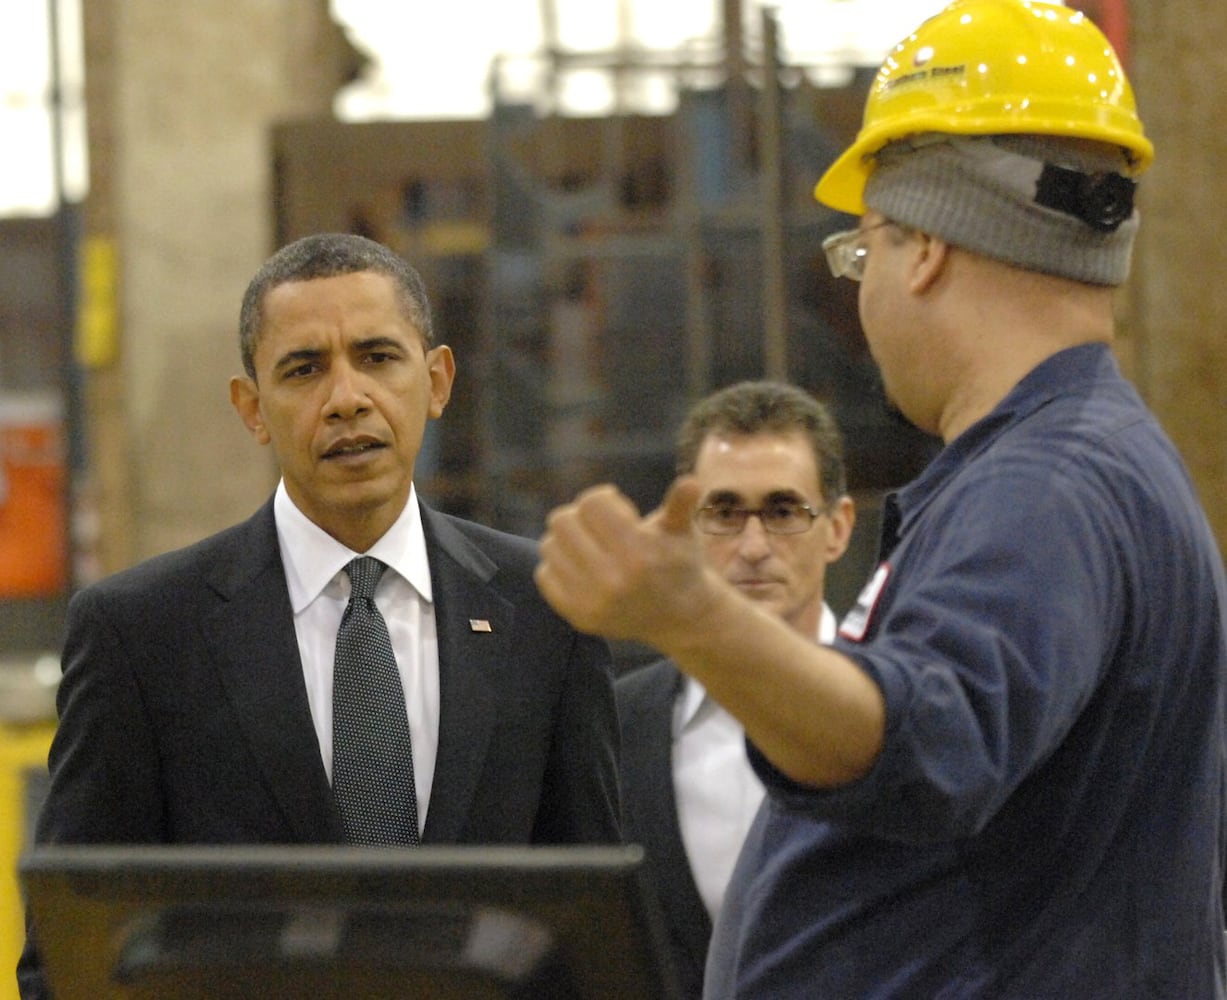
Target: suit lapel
[[473, 623], [251, 635], [651, 750], [651, 747]]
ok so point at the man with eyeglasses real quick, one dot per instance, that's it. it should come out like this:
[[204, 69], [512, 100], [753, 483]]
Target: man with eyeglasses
[[1006, 778], [772, 515]]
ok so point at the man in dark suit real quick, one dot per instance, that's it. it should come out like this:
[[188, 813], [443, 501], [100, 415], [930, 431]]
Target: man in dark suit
[[772, 514], [196, 704]]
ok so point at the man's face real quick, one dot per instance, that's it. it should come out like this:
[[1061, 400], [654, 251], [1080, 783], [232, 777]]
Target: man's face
[[343, 390], [784, 573], [915, 368]]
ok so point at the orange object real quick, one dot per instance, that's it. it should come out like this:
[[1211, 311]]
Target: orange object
[[33, 512]]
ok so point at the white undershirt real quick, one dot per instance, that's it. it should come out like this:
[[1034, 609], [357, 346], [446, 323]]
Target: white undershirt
[[716, 789], [319, 590]]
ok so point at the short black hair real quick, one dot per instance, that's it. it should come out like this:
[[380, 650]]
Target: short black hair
[[326, 255]]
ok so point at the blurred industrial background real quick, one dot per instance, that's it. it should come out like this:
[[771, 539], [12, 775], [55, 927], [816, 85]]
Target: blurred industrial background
[[611, 224]]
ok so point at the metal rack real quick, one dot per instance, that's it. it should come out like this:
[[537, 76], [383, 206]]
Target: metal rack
[[636, 262]]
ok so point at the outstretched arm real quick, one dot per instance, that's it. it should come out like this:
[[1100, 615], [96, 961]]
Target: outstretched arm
[[810, 710]]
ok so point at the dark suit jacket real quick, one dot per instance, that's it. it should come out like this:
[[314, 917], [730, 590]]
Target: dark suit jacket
[[184, 715], [649, 813]]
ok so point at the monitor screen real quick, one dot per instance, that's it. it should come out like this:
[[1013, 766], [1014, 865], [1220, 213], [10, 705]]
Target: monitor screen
[[322, 922]]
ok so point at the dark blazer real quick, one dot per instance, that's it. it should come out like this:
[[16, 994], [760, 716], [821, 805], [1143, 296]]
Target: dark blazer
[[184, 715], [649, 813]]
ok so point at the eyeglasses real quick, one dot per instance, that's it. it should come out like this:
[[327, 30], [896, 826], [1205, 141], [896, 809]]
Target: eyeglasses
[[783, 517], [846, 253]]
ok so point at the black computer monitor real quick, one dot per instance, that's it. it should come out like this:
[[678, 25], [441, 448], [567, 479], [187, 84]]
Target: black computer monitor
[[316, 923]]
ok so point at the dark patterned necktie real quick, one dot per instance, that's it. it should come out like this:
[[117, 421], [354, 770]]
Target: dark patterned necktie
[[372, 759]]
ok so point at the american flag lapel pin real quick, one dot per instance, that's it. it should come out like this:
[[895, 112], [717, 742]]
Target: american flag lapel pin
[[480, 625]]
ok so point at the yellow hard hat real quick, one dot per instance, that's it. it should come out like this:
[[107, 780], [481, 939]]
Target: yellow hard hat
[[993, 67]]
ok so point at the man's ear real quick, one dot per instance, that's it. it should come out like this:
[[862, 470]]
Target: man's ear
[[245, 398], [929, 261], [843, 520], [441, 366]]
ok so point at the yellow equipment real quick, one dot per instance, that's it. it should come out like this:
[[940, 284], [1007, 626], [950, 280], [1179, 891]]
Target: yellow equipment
[[23, 771]]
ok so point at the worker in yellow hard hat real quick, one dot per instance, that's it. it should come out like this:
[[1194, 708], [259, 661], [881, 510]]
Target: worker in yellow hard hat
[[1005, 778]]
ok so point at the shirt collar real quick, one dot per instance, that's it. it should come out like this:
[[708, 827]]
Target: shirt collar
[[1053, 377], [312, 558], [827, 625]]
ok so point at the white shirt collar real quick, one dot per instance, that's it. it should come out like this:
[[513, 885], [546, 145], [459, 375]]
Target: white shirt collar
[[694, 693], [827, 625], [312, 558]]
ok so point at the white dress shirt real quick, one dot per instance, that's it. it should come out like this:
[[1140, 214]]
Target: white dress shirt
[[716, 789], [319, 591]]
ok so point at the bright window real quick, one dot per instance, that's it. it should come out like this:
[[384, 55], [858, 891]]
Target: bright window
[[438, 65], [42, 134]]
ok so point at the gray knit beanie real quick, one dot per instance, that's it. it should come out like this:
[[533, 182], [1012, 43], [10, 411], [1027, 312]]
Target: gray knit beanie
[[1040, 203]]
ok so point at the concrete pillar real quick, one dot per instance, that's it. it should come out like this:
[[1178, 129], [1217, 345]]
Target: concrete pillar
[[181, 98], [1178, 315]]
